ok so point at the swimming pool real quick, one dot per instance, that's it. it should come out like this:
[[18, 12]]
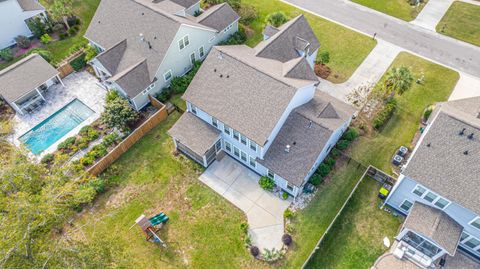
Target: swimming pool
[[49, 131]]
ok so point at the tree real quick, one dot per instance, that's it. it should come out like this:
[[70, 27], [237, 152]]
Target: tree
[[61, 9], [118, 113], [37, 26], [324, 57], [399, 80], [276, 18]]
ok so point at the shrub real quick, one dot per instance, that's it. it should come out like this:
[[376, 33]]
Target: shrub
[[244, 227], [324, 57], [164, 94], [82, 143], [89, 133], [90, 53], [288, 214], [37, 26], [66, 144], [247, 14], [118, 113], [111, 95], [343, 144], [78, 63], [87, 160], [323, 170], [287, 239], [110, 139], [23, 41], [334, 153], [271, 255], [236, 38], [330, 162], [45, 39], [72, 30], [385, 114], [76, 48], [426, 114], [6, 54], [284, 195], [47, 55], [98, 184], [73, 21], [316, 179], [98, 151], [350, 134], [48, 158], [276, 18], [266, 183], [62, 36], [254, 251], [179, 85], [59, 28]]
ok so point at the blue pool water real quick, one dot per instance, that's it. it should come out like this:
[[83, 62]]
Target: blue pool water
[[49, 131]]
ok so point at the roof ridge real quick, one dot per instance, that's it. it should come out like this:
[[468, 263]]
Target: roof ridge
[[298, 60], [128, 69], [305, 117], [279, 33], [217, 9], [163, 13], [254, 67], [19, 63]]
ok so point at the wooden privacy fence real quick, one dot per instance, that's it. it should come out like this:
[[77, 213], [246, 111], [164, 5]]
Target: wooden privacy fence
[[128, 142], [64, 67]]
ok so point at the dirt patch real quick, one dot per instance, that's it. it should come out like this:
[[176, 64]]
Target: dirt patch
[[322, 71], [124, 196]]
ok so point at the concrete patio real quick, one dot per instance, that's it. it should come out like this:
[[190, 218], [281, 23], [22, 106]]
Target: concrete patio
[[82, 86], [264, 210]]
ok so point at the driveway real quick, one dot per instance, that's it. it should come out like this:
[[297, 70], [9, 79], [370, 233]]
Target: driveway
[[264, 210]]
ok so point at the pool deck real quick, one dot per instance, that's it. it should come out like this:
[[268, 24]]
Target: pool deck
[[82, 86]]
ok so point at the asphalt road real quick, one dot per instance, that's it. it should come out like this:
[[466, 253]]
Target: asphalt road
[[445, 50]]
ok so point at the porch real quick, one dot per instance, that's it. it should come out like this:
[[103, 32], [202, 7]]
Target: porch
[[34, 99]]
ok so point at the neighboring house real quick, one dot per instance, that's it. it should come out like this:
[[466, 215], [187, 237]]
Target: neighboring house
[[143, 44], [439, 188], [14, 15], [23, 84], [264, 112]]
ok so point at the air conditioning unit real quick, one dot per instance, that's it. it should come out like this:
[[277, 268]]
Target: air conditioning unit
[[399, 252], [397, 160]]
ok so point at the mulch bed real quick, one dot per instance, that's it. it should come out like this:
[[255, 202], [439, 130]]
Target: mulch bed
[[322, 71]]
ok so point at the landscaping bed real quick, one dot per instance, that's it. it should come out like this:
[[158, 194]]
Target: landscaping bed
[[462, 21], [402, 9]]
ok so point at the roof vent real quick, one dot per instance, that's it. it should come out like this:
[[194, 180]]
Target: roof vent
[[470, 136], [310, 124], [287, 148], [465, 152], [228, 76], [462, 132], [294, 143], [142, 38], [221, 75], [143, 13], [429, 144], [99, 22], [215, 70], [220, 55]]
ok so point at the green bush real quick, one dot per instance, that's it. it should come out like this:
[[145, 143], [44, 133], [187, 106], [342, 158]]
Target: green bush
[[90, 53], [59, 28], [46, 55], [37, 26], [89, 133], [350, 134], [118, 113], [48, 158], [78, 63], [67, 144], [164, 95], [82, 142], [335, 153], [179, 85], [87, 160], [45, 39], [385, 114], [110, 139], [288, 214], [98, 151], [247, 14], [98, 184], [426, 114], [324, 57], [62, 36], [323, 170], [244, 227], [330, 162], [236, 38], [72, 30], [285, 195], [23, 41], [343, 144], [111, 95], [6, 54], [276, 18], [316, 179], [266, 183]]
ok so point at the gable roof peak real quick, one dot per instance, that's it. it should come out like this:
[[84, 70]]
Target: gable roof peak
[[328, 112]]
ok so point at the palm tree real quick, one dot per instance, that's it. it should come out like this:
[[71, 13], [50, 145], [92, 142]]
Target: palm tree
[[399, 80]]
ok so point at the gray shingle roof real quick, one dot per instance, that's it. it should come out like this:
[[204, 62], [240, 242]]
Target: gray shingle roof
[[299, 68], [194, 133], [283, 45], [439, 161], [134, 79], [248, 93], [29, 5], [307, 134], [270, 30], [183, 3], [435, 225], [24, 76], [218, 17]]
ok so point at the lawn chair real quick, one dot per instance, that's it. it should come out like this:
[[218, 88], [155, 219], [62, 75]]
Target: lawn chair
[[151, 227]]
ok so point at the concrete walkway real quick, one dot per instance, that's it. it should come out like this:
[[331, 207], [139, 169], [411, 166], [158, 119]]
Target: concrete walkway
[[264, 210], [432, 13], [369, 72], [467, 86]]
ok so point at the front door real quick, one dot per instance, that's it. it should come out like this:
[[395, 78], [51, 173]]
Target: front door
[[192, 58]]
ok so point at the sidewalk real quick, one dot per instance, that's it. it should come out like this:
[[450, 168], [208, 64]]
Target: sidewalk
[[432, 13], [370, 71], [467, 86]]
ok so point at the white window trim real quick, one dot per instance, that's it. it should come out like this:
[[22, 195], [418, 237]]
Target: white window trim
[[468, 238], [215, 122], [400, 206], [193, 109], [250, 145], [434, 200], [165, 77], [194, 57], [211, 39], [423, 194], [250, 161], [229, 144], [200, 54], [183, 42], [472, 221]]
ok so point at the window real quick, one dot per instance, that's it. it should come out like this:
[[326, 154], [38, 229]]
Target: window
[[243, 156], [182, 43], [419, 190], [406, 205], [226, 129], [243, 139], [252, 162], [201, 52], [236, 151], [194, 109], [253, 145], [211, 39], [167, 75], [430, 196], [228, 146], [289, 187], [442, 203], [148, 88], [192, 58], [476, 223], [228, 28], [472, 242], [464, 236], [214, 122], [270, 174], [236, 135]]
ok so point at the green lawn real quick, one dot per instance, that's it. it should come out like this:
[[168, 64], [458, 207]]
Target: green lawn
[[355, 240], [203, 231], [396, 8], [462, 21], [347, 48]]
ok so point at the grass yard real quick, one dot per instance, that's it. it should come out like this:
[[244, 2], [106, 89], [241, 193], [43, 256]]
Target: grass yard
[[203, 230], [362, 226], [347, 48], [178, 101], [462, 21], [396, 8]]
